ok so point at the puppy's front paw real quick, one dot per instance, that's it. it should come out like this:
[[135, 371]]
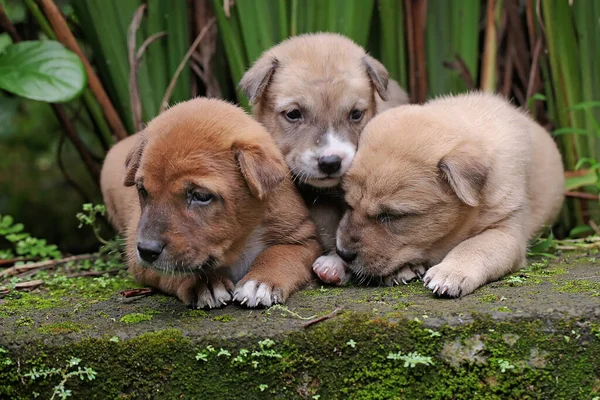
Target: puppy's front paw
[[254, 294], [202, 293], [331, 269], [404, 275], [446, 279]]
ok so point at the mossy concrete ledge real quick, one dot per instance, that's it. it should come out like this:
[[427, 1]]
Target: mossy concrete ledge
[[534, 335]]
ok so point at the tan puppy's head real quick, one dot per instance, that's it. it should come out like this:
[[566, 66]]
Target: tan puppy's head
[[315, 93], [411, 192], [203, 170]]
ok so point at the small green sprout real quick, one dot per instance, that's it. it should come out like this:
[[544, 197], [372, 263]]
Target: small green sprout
[[411, 359], [505, 365], [433, 333], [263, 387], [201, 356], [114, 339], [223, 352], [351, 343]]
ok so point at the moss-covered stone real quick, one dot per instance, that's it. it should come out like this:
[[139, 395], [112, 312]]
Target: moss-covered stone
[[525, 341]]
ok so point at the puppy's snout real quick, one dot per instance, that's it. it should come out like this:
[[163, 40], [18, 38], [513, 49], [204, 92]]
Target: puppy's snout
[[345, 255], [330, 164], [150, 250]]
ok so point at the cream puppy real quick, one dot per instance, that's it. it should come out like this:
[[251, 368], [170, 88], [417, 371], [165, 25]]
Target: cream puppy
[[459, 184], [315, 93]]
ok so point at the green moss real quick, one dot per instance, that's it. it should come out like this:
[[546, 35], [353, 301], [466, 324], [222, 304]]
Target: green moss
[[323, 291], [224, 318], [503, 309], [59, 328], [485, 359], [195, 314], [580, 286], [489, 298], [24, 321], [136, 318]]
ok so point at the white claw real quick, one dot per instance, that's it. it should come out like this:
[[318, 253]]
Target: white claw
[[436, 289], [243, 301], [396, 282], [223, 302], [404, 281]]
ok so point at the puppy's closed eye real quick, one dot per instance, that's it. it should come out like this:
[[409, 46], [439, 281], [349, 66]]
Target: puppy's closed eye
[[391, 216]]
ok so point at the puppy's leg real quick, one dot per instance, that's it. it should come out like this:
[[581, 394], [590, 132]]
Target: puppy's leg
[[194, 291], [481, 259], [275, 274], [330, 268]]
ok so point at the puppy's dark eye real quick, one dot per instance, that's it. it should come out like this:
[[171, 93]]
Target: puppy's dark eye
[[201, 198], [294, 115], [388, 217], [142, 192], [356, 115]]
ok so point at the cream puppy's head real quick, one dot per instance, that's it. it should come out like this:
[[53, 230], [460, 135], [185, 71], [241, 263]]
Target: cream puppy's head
[[315, 93], [413, 189]]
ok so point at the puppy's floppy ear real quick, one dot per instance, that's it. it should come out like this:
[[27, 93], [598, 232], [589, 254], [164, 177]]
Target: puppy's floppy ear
[[466, 169], [257, 78], [132, 162], [262, 167], [378, 74]]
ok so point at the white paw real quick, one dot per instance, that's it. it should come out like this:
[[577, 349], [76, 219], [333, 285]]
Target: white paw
[[331, 269], [404, 275], [446, 279], [212, 296], [254, 294]]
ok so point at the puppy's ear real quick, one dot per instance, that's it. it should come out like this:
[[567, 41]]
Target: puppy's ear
[[465, 168], [257, 78], [379, 76], [262, 167], [132, 162]]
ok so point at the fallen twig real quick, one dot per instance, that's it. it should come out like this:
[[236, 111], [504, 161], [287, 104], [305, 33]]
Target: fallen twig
[[165, 101], [583, 195], [17, 269], [94, 273], [323, 318], [137, 292], [16, 260], [22, 287]]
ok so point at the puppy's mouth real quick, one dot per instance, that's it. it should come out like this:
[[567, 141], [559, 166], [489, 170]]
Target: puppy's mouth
[[323, 182], [169, 267]]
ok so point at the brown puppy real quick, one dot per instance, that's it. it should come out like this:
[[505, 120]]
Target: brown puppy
[[203, 200], [460, 183], [315, 93]]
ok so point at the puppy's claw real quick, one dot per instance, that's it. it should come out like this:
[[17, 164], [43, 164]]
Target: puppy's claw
[[396, 282], [426, 281], [243, 301], [444, 290], [435, 289], [223, 302], [404, 281]]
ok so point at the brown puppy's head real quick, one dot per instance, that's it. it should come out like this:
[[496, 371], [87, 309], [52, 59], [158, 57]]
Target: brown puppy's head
[[412, 191], [203, 171], [315, 93]]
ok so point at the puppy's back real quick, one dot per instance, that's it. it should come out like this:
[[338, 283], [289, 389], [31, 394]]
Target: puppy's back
[[120, 201]]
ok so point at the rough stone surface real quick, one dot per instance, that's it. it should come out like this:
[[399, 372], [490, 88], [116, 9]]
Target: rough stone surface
[[535, 334]]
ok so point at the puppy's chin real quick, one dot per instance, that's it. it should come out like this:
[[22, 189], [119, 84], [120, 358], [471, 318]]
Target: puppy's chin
[[323, 183], [169, 266]]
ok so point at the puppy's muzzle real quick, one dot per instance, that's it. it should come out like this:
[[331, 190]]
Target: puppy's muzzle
[[345, 255], [150, 250]]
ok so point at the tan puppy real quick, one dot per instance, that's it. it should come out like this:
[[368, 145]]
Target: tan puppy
[[315, 93], [460, 184], [204, 202]]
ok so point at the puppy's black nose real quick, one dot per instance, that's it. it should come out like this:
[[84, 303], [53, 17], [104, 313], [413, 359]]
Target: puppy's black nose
[[330, 164], [345, 255], [149, 250]]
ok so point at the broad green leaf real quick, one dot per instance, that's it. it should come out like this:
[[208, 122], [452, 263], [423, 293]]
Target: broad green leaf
[[567, 131], [581, 230], [576, 182], [42, 70]]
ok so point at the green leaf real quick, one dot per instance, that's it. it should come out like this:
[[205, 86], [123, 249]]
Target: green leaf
[[42, 70], [566, 131], [576, 182]]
